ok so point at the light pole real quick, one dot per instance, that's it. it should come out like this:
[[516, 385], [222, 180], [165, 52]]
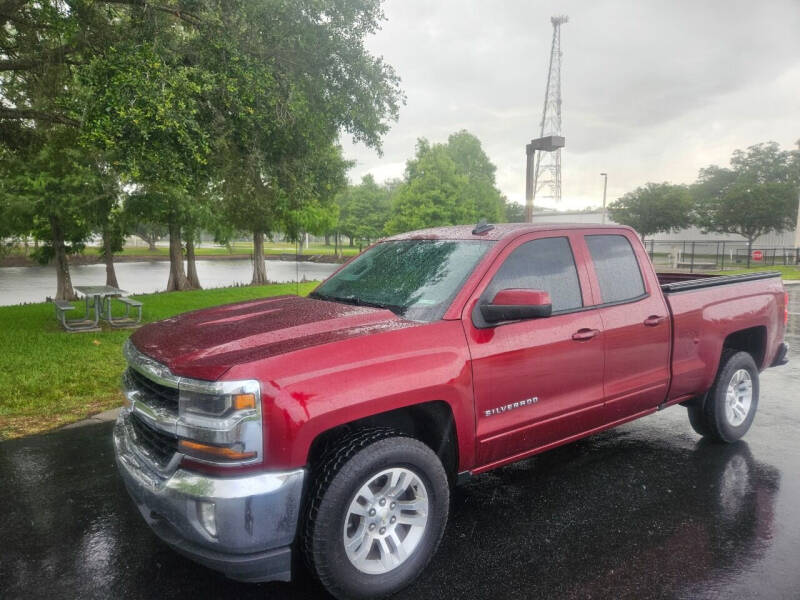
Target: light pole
[[550, 143], [605, 186]]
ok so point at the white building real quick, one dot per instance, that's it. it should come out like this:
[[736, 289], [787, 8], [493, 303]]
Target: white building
[[690, 234]]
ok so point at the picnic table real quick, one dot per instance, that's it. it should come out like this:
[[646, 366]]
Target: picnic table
[[97, 299]]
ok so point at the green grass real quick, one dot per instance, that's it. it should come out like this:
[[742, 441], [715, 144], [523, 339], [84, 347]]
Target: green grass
[[49, 378], [787, 272]]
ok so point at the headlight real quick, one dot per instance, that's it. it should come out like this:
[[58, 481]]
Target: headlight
[[220, 422]]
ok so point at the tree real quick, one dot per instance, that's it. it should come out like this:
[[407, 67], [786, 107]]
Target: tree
[[302, 76], [482, 193], [446, 184], [432, 193], [47, 185], [107, 216], [364, 210], [149, 233], [514, 212], [51, 183], [145, 110], [756, 195], [654, 208], [182, 97]]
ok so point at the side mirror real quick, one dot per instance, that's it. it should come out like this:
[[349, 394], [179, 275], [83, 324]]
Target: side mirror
[[517, 304]]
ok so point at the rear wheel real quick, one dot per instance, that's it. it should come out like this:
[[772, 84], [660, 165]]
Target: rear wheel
[[377, 514], [730, 406]]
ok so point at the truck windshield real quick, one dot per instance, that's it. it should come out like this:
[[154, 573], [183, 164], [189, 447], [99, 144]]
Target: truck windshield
[[416, 279]]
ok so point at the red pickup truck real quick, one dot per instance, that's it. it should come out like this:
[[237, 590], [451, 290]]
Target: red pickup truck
[[333, 426]]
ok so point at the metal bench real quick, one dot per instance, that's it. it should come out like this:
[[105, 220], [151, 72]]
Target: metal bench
[[127, 320], [72, 325]]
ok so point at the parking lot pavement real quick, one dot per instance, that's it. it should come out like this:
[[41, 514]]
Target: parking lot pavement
[[645, 510]]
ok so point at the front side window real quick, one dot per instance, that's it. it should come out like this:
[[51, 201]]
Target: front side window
[[416, 279], [616, 267], [546, 264]]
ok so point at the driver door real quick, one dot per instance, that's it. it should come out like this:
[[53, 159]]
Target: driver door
[[538, 381]]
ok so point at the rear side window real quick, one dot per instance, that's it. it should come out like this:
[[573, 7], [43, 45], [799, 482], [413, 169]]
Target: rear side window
[[616, 267], [546, 264]]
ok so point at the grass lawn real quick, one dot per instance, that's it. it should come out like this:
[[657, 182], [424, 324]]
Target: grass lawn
[[787, 272], [50, 378]]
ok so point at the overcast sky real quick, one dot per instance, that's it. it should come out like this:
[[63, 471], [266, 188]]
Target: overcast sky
[[652, 91]]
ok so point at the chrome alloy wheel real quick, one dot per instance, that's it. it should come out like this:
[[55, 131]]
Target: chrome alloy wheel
[[385, 521], [739, 397]]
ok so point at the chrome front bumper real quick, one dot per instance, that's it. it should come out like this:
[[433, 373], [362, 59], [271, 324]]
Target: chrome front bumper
[[255, 515]]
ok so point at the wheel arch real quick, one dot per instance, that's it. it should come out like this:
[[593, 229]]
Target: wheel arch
[[432, 423], [752, 340]]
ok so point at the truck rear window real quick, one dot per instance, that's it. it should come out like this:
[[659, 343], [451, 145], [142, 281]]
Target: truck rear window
[[616, 267], [416, 279]]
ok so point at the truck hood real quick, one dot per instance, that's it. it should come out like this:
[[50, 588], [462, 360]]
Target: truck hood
[[203, 344]]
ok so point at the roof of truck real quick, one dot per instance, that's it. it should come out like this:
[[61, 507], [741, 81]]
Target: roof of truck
[[497, 232]]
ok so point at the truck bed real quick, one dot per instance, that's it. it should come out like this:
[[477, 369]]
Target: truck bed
[[710, 311], [682, 282]]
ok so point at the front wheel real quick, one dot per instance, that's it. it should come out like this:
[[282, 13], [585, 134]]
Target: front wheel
[[377, 514], [731, 404]]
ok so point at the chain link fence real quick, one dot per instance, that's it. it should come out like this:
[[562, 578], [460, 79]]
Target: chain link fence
[[695, 256]]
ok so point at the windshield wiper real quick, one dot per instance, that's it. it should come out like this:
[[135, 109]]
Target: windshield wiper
[[357, 302]]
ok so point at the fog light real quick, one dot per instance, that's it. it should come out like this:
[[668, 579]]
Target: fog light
[[207, 514]]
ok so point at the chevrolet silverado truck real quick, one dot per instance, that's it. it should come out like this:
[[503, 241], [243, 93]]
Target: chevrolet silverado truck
[[333, 426]]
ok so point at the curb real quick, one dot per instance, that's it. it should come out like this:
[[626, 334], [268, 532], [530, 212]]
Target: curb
[[103, 417]]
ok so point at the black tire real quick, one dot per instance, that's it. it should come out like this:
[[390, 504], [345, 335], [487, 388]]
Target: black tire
[[711, 420], [343, 469]]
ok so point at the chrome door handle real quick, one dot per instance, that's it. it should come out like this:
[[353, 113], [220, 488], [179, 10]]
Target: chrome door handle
[[653, 320], [583, 335]]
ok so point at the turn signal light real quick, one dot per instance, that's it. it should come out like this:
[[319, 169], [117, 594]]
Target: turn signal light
[[200, 450], [244, 401]]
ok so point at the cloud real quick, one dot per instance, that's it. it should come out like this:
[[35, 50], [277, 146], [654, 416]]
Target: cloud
[[652, 91]]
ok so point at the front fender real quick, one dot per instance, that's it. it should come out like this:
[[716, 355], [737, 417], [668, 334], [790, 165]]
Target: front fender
[[308, 392]]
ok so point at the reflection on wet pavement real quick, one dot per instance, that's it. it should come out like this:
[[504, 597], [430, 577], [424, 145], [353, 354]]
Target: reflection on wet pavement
[[645, 510]]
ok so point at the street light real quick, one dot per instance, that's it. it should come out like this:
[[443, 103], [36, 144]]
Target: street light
[[605, 186]]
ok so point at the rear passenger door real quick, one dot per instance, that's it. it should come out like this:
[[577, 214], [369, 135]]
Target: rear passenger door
[[636, 326]]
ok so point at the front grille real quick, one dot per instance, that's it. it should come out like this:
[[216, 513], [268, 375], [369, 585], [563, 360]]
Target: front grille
[[160, 446], [157, 394]]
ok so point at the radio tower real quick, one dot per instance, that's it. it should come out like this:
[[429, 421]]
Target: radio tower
[[547, 171]]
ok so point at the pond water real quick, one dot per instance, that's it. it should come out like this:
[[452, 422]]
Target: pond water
[[34, 284]]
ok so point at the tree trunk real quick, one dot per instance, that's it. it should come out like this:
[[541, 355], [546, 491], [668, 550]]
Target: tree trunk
[[177, 275], [259, 266], [327, 239], [749, 251], [64, 289], [151, 245], [352, 242], [191, 265], [108, 257]]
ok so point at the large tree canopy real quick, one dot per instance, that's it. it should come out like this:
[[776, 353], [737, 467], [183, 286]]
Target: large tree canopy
[[203, 107], [447, 184], [756, 195], [654, 208]]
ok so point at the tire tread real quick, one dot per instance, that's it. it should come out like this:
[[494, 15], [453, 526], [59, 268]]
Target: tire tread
[[331, 461]]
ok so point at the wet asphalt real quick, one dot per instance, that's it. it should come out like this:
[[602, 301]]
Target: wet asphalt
[[647, 510]]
